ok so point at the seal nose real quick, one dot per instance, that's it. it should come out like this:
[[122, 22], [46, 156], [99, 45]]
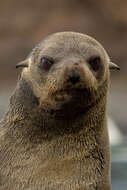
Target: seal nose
[[74, 76]]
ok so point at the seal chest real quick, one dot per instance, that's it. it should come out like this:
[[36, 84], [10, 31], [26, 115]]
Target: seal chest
[[54, 135]]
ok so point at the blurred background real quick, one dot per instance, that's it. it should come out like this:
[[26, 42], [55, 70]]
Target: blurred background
[[24, 23]]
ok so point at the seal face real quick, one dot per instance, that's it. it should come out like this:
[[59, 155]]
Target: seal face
[[68, 69]]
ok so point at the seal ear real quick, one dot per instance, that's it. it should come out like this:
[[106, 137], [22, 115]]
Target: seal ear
[[113, 66], [22, 64]]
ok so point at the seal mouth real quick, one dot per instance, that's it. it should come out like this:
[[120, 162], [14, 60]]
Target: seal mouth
[[75, 102], [74, 91], [73, 96]]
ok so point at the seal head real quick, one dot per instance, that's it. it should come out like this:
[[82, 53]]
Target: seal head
[[65, 70]]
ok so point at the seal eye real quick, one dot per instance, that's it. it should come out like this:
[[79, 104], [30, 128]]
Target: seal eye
[[95, 63], [46, 63]]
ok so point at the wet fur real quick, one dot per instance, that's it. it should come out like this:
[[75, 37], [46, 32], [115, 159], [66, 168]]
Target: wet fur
[[47, 145]]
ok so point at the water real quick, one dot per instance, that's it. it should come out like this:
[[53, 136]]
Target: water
[[119, 176], [119, 167]]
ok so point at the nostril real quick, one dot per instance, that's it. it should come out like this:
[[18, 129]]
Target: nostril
[[74, 76]]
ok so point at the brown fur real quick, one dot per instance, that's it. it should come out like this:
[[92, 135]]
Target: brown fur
[[54, 136]]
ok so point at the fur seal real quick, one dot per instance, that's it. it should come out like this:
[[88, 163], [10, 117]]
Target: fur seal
[[54, 135]]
